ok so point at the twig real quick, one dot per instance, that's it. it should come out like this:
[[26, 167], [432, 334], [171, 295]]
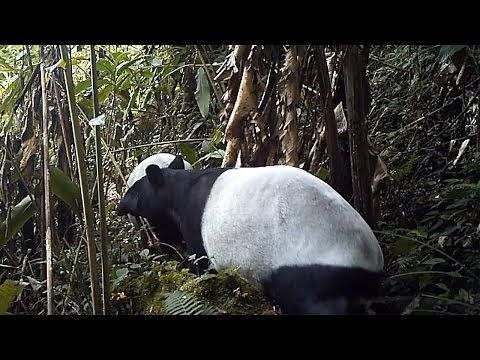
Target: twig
[[455, 120], [435, 147], [170, 142], [388, 233], [24, 263], [26, 87], [187, 65], [72, 273], [388, 65], [433, 311], [403, 128], [452, 301], [62, 124], [478, 125], [419, 273], [8, 266]]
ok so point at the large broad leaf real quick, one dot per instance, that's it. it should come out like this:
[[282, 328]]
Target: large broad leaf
[[9, 290], [6, 67], [66, 189], [106, 66], [202, 94], [448, 50], [104, 92], [188, 151], [12, 91], [20, 213], [119, 57], [82, 85], [122, 66], [87, 84]]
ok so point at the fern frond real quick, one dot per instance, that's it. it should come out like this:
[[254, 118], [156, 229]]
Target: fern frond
[[181, 303]]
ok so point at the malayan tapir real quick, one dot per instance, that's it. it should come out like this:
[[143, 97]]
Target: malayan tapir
[[287, 231], [166, 231]]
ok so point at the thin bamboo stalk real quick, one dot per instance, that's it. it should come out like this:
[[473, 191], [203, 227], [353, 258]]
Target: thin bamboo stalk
[[82, 171], [46, 183], [100, 188]]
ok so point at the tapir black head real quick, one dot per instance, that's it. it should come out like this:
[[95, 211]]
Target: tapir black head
[[144, 198]]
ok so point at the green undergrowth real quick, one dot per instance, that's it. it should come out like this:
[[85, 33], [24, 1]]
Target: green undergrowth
[[429, 230], [143, 288]]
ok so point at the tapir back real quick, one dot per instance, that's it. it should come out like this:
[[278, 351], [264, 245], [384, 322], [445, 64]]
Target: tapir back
[[261, 219]]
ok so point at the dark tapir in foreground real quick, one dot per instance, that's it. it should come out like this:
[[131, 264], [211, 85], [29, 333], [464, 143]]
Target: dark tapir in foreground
[[284, 229]]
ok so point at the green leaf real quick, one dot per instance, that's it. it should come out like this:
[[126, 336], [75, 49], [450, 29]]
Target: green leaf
[[448, 50], [424, 280], [20, 214], [66, 190], [208, 147], [4, 67], [123, 81], [105, 66], [443, 287], [104, 92], [13, 90], [433, 261], [322, 173], [189, 153], [121, 273], [219, 154], [119, 57], [456, 194], [202, 93], [147, 73], [144, 253], [217, 137], [402, 246], [86, 106], [82, 85], [455, 274], [9, 290], [417, 233], [121, 67]]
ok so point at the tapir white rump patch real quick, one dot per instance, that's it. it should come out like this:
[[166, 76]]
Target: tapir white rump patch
[[280, 216], [162, 160]]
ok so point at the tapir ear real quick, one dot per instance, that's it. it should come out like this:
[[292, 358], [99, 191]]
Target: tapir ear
[[177, 163], [154, 175]]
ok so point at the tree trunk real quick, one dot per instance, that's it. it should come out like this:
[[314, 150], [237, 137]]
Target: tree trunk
[[336, 174], [289, 91], [246, 105], [189, 85], [355, 63]]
